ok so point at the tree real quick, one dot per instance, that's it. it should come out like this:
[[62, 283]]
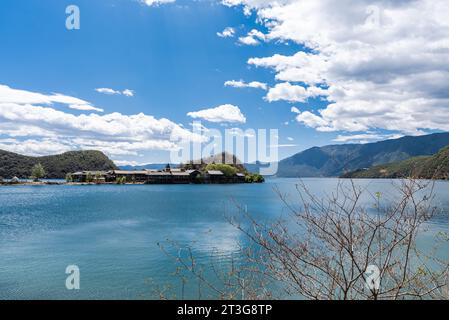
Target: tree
[[98, 177], [334, 248], [68, 177], [120, 180], [38, 172], [254, 178], [89, 177], [227, 169], [341, 250]]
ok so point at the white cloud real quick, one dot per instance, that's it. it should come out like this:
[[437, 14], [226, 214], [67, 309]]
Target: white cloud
[[10, 95], [290, 139], [122, 163], [275, 146], [383, 63], [365, 137], [107, 91], [157, 2], [295, 110], [293, 93], [228, 32], [243, 84], [223, 113], [311, 120], [85, 107], [310, 68], [252, 38], [28, 123], [126, 92], [34, 147]]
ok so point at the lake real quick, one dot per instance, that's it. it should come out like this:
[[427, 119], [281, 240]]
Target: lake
[[111, 232]]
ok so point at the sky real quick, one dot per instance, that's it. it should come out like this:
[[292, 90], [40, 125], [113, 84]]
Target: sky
[[138, 73]]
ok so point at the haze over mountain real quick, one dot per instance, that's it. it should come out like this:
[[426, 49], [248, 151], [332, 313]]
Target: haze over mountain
[[334, 160]]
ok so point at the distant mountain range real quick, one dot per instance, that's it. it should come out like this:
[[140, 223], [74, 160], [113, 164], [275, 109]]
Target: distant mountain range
[[56, 167], [328, 161], [335, 160], [251, 167], [423, 167]]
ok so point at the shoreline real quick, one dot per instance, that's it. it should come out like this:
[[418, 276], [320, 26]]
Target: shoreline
[[48, 183]]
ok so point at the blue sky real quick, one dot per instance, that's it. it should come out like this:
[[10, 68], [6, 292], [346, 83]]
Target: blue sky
[[172, 59]]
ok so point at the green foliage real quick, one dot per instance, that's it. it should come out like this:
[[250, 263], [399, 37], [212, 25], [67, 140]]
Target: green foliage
[[254, 178], [433, 167], [89, 178], [226, 158], [68, 177], [334, 160], [199, 179], [120, 180], [98, 177], [38, 172], [227, 169], [57, 166]]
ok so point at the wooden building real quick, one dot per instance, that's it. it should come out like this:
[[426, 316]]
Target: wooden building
[[166, 176]]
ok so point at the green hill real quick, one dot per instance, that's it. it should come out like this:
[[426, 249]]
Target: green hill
[[56, 166], [334, 160], [430, 167], [221, 158]]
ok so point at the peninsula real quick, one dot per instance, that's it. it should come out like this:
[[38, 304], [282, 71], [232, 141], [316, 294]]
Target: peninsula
[[94, 167]]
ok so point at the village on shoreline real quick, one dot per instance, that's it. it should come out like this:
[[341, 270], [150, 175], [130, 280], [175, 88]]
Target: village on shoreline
[[209, 175]]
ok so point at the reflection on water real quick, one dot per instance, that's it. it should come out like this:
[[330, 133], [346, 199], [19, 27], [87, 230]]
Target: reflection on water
[[112, 232]]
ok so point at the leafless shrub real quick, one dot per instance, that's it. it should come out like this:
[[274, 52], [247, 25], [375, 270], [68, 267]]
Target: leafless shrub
[[327, 247]]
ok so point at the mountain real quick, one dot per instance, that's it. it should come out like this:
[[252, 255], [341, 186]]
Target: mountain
[[433, 167], [334, 160], [250, 167], [56, 167]]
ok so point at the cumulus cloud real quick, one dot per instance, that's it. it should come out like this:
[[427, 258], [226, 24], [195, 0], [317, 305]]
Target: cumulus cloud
[[383, 64], [293, 93], [223, 113], [228, 32], [313, 121], [34, 147], [253, 38], [243, 84], [126, 92], [28, 121]]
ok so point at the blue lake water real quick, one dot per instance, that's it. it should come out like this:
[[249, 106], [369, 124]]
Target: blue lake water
[[112, 232]]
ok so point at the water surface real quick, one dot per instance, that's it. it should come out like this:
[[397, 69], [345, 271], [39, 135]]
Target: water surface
[[112, 232]]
